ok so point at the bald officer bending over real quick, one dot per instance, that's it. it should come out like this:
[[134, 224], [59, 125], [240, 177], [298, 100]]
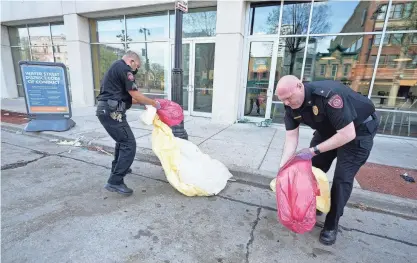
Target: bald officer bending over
[[345, 125]]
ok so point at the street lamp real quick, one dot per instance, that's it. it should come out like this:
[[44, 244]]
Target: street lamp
[[176, 80]]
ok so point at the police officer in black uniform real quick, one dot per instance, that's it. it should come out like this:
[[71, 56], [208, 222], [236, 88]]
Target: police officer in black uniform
[[117, 93], [345, 125]]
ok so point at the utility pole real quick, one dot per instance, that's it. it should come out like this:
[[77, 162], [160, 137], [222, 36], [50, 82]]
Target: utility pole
[[146, 32], [176, 80]]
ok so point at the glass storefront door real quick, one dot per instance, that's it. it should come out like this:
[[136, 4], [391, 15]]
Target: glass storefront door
[[198, 68]]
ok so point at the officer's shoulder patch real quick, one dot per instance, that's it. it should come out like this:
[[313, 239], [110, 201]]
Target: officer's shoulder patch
[[130, 76], [336, 101]]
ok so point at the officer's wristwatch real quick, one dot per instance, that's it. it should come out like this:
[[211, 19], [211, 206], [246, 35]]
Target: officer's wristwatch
[[316, 150]]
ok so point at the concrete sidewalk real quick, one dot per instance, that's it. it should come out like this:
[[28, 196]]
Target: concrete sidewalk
[[242, 147]]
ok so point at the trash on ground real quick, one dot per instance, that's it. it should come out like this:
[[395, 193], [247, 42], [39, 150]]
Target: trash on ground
[[361, 206], [407, 178], [187, 169], [75, 143], [265, 123]]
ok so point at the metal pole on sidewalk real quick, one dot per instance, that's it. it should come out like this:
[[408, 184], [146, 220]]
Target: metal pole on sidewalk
[[176, 80]]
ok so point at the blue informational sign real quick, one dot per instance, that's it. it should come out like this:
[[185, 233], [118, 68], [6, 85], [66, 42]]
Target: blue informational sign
[[47, 96]]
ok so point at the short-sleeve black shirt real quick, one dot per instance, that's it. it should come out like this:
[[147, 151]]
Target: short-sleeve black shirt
[[117, 81], [329, 106]]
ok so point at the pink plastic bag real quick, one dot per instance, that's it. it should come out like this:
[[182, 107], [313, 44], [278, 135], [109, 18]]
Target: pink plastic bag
[[170, 112], [296, 190]]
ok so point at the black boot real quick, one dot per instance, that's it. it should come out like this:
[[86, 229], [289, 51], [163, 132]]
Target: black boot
[[129, 171], [328, 236], [119, 188]]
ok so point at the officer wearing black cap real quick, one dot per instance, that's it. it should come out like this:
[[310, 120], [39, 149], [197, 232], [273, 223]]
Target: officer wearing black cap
[[345, 125], [117, 93]]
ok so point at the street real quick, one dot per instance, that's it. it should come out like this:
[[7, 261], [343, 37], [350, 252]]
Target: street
[[55, 209]]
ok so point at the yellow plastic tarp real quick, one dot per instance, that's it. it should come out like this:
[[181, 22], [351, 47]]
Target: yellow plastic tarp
[[322, 201]]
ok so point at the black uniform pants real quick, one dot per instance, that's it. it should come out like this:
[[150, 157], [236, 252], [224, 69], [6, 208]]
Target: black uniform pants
[[125, 148], [350, 157]]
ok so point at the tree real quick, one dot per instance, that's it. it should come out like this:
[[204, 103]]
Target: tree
[[200, 23], [295, 22], [124, 38]]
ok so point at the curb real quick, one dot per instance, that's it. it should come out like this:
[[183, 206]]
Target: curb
[[362, 199]]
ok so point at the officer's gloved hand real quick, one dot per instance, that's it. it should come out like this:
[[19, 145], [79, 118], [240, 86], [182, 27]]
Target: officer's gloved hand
[[305, 154], [157, 105]]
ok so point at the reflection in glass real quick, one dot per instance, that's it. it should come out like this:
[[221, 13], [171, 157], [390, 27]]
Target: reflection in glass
[[290, 57], [277, 112], [152, 73], [18, 54], [343, 16], [145, 28], [403, 14], [60, 54], [103, 56], [42, 53], [265, 19], [258, 78], [58, 34], [108, 31], [395, 84], [199, 22], [343, 58], [397, 123], [40, 35], [185, 73], [203, 77], [295, 16], [18, 36]]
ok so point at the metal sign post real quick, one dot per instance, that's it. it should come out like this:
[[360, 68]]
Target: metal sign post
[[177, 73], [46, 96]]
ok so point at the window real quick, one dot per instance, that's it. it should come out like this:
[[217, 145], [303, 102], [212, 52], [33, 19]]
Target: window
[[396, 11], [364, 13], [396, 71], [377, 39], [346, 70], [382, 63], [322, 70], [396, 39], [381, 12], [334, 70], [391, 61], [408, 10], [147, 27], [44, 42], [198, 22]]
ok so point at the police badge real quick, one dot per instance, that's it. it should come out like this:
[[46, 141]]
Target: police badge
[[315, 110]]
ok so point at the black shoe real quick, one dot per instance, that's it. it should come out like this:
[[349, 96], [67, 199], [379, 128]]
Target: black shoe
[[119, 188], [319, 213], [328, 237], [129, 171]]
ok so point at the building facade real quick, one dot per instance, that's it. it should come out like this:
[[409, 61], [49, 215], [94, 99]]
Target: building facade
[[234, 52]]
